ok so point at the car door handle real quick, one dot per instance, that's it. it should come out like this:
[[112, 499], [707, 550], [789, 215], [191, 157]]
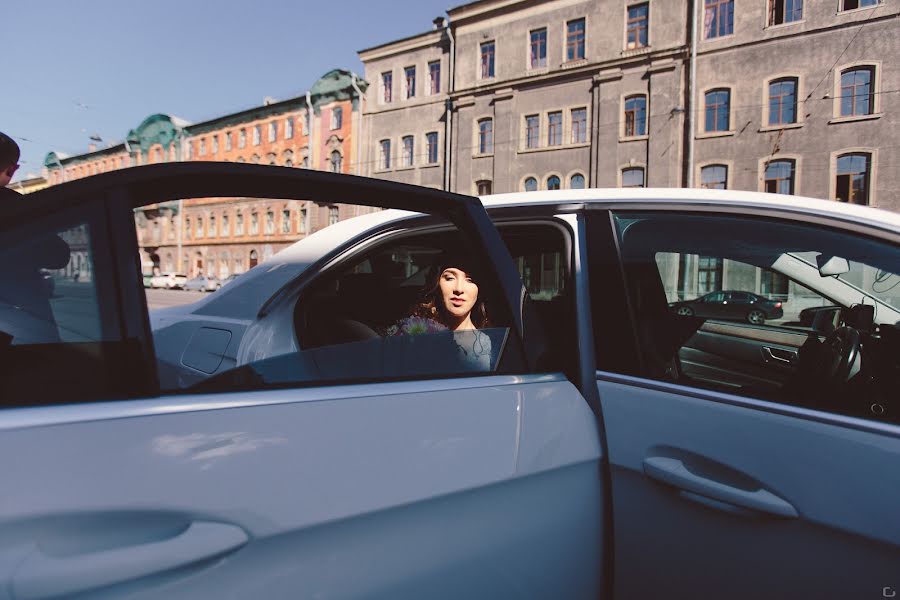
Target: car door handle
[[779, 354], [673, 472], [44, 576]]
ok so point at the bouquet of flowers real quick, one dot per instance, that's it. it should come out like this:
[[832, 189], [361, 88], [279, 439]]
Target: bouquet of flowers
[[415, 326]]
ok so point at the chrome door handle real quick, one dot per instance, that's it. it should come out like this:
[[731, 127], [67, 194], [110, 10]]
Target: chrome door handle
[[779, 355]]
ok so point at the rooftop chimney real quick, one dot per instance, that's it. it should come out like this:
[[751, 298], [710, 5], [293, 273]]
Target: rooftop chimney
[[439, 23]]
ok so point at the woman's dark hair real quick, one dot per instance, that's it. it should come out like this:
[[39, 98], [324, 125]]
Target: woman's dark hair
[[430, 305]]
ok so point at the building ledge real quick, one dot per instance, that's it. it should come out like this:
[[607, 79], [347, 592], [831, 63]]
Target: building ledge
[[769, 128], [552, 148], [855, 118], [634, 138], [715, 134]]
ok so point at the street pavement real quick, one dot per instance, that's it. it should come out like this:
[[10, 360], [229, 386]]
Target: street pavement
[[166, 298]]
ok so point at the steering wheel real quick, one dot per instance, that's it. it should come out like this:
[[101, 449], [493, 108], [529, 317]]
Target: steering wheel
[[839, 352]]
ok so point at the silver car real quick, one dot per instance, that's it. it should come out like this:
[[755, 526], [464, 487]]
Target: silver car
[[282, 437]]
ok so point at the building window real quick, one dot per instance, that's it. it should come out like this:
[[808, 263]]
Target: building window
[[336, 162], [337, 117], [187, 228], [709, 274], [273, 131], [271, 158], [226, 230], [779, 177], [431, 141], [288, 158], [531, 184], [485, 136], [301, 225], [212, 227], [714, 177], [783, 102], [633, 177], [635, 115], [410, 78], [239, 224], [215, 145], [242, 138], [532, 131], [188, 151], [333, 215], [487, 60], [285, 221], [553, 183], [202, 149], [857, 92], [199, 227], [554, 128], [575, 39], [387, 87], [257, 135], [853, 177], [853, 4], [718, 18], [638, 26], [270, 222], [717, 109], [385, 154], [304, 162], [576, 182], [538, 48], [484, 187], [434, 77], [254, 223], [228, 142], [785, 11], [579, 125], [254, 258], [255, 159], [289, 128], [408, 150]]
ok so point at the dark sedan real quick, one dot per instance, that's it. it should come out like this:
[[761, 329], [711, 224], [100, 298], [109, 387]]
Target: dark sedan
[[732, 306]]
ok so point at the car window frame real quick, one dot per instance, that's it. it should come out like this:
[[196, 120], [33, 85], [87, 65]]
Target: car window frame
[[122, 191]]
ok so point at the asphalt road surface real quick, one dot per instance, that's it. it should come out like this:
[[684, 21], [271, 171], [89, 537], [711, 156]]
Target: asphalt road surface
[[165, 298]]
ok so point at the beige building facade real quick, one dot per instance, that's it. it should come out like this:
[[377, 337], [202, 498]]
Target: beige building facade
[[790, 96]]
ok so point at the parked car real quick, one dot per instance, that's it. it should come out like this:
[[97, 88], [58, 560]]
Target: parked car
[[203, 283], [732, 306], [148, 280], [286, 443], [169, 281], [231, 278]]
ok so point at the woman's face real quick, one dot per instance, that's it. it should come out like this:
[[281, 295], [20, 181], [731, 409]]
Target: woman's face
[[458, 293]]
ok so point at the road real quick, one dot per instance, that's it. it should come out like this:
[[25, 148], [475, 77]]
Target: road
[[166, 298]]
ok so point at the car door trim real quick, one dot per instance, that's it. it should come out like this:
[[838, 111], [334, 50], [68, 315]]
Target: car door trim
[[799, 412], [22, 418]]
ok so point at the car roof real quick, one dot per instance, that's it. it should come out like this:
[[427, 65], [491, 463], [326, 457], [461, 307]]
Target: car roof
[[800, 205]]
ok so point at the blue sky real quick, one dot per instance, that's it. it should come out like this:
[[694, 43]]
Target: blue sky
[[75, 69]]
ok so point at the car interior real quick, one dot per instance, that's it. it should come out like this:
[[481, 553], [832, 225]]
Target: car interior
[[363, 298], [833, 358]]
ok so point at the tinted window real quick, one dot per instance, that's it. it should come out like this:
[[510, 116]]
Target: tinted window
[[778, 326]]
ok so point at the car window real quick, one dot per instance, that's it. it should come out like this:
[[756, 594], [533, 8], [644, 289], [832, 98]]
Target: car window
[[776, 326], [59, 332], [408, 305]]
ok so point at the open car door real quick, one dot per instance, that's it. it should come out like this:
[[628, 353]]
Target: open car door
[[434, 481]]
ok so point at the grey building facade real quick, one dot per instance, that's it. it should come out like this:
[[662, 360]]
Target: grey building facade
[[796, 96]]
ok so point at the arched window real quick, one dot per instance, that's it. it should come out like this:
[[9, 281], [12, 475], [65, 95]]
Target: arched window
[[779, 177], [254, 258], [718, 110], [636, 115], [553, 183], [531, 184], [633, 177], [336, 161], [858, 91], [714, 177], [783, 101], [576, 182], [854, 173]]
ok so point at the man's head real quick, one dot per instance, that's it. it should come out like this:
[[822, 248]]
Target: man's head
[[9, 158]]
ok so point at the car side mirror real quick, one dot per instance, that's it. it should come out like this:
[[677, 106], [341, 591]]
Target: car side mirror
[[832, 266]]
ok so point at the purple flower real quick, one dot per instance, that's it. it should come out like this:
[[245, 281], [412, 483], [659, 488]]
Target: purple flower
[[416, 326]]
